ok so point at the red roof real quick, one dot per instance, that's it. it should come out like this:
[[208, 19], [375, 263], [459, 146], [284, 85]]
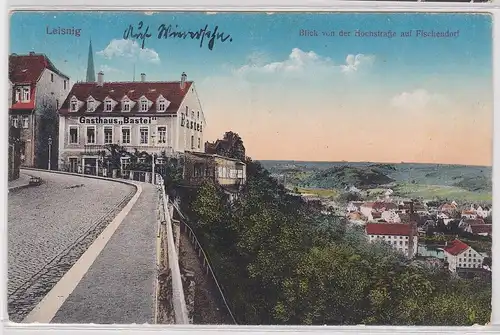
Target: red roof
[[456, 247], [389, 229], [481, 229], [27, 69], [171, 91], [474, 222]]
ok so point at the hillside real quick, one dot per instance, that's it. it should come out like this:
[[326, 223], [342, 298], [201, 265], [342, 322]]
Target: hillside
[[342, 176], [475, 184]]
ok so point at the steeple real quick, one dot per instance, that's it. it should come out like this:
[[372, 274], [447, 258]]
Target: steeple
[[90, 65]]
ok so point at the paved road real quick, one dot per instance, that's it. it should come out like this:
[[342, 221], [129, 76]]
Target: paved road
[[49, 228], [120, 285]]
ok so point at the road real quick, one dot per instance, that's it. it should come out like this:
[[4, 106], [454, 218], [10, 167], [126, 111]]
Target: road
[[49, 228]]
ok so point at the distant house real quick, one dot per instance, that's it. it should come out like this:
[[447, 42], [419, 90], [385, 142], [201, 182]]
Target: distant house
[[377, 206], [476, 227], [469, 214], [391, 216], [402, 237], [448, 207], [483, 212], [355, 217], [354, 206], [460, 255]]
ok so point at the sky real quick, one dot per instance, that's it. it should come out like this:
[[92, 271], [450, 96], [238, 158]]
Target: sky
[[294, 97]]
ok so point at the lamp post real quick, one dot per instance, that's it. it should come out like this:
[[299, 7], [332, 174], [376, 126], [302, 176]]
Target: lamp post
[[50, 151], [153, 161]]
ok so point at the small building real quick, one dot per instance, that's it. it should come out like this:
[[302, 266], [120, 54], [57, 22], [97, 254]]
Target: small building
[[402, 237], [227, 172]]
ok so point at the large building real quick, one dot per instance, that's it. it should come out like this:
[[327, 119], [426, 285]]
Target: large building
[[402, 237], [461, 256], [36, 91], [153, 117]]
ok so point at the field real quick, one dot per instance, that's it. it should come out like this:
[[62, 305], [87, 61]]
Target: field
[[430, 192], [320, 192]]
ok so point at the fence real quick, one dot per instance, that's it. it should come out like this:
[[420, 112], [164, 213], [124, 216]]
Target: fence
[[201, 254], [178, 299]]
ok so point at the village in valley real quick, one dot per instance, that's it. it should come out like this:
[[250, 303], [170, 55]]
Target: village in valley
[[441, 233]]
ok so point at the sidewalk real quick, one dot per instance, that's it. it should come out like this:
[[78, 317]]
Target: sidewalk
[[119, 287], [19, 183]]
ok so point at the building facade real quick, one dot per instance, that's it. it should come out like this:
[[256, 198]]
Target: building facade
[[402, 237], [460, 255], [227, 172], [36, 90], [152, 117]]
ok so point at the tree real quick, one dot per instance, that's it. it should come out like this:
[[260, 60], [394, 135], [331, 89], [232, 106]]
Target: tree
[[234, 148]]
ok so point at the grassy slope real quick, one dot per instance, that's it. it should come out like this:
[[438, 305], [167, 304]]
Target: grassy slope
[[440, 191]]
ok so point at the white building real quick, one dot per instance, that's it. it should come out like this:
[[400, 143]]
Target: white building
[[460, 255], [151, 117], [391, 216], [36, 91], [402, 237]]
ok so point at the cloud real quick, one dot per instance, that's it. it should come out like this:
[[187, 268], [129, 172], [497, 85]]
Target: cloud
[[129, 49], [300, 61], [354, 62], [417, 100], [109, 69]]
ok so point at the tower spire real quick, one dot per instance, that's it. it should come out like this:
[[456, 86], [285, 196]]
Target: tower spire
[[90, 65]]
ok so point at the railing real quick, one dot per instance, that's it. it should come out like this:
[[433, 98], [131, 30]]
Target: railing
[[97, 149], [206, 263], [178, 299]]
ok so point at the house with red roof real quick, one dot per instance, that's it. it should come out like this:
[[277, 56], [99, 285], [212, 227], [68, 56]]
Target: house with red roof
[[148, 116], [460, 255], [402, 237], [36, 90]]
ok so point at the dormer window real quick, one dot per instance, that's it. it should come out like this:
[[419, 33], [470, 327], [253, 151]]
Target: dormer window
[[144, 105], [161, 106], [108, 105], [18, 94], [26, 94], [73, 105], [126, 106], [90, 105]]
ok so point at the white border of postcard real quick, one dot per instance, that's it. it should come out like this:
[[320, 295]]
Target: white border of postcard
[[265, 6]]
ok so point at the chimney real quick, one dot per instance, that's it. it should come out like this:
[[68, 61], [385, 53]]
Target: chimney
[[183, 80], [411, 244], [100, 78], [143, 77]]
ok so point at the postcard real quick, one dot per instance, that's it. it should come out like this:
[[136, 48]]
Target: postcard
[[233, 168]]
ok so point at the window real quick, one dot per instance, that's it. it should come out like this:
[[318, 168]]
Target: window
[[57, 104], [144, 131], [15, 122], [201, 128], [183, 119], [162, 135], [220, 172], [144, 105], [109, 106], [240, 173], [73, 135], [90, 135], [73, 105], [199, 142], [198, 116], [142, 160], [162, 106], [18, 94], [26, 94], [126, 106], [65, 84], [108, 135], [90, 105], [25, 122], [126, 135], [232, 174], [192, 142], [52, 77], [459, 259], [187, 110]]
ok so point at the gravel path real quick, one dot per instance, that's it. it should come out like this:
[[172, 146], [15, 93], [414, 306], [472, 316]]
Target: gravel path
[[49, 228], [120, 285]]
